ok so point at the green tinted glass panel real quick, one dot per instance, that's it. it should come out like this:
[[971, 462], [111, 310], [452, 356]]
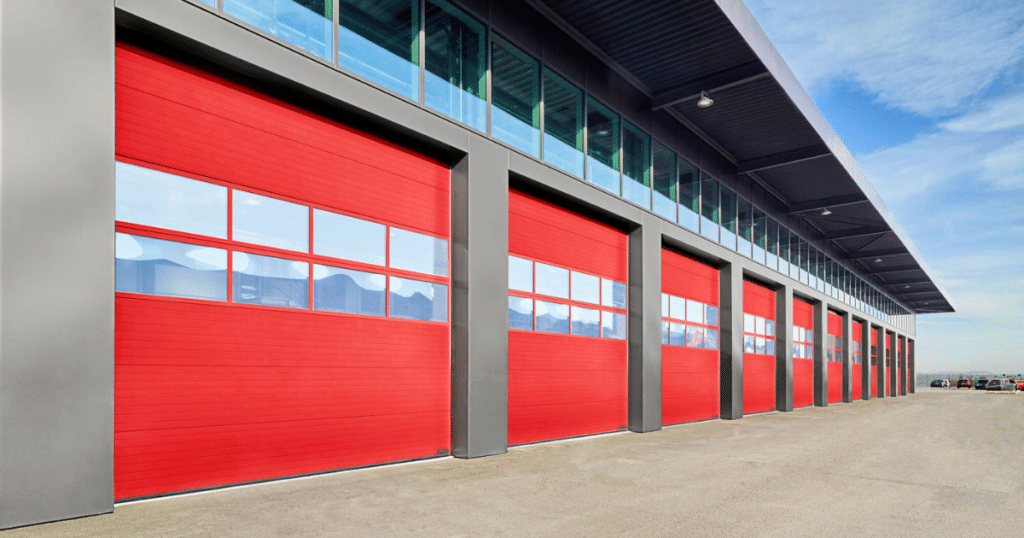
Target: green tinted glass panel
[[379, 40], [772, 236], [709, 207], [664, 179], [689, 195], [759, 228], [602, 146], [745, 217], [515, 83], [563, 124], [636, 165], [456, 64], [729, 213]]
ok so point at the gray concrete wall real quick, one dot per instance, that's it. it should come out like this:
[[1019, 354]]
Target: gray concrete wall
[[56, 259]]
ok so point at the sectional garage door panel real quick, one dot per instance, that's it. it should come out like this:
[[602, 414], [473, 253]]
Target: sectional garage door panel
[[803, 362], [875, 360], [835, 365], [571, 384], [279, 358], [690, 389], [858, 366], [758, 362]]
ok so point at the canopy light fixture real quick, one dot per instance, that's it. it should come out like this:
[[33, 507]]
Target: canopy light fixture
[[704, 100], [826, 212], [878, 260]]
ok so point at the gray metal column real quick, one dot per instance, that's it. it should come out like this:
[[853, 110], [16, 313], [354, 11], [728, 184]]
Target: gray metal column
[[880, 376], [730, 281], [865, 369], [820, 350], [56, 260], [847, 358], [784, 348], [911, 371], [480, 301], [645, 326]]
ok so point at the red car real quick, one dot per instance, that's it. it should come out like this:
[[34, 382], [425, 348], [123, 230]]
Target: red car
[[963, 383]]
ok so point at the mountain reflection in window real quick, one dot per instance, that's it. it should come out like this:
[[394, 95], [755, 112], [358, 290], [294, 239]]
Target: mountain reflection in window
[[168, 268], [413, 299], [269, 281], [345, 290]]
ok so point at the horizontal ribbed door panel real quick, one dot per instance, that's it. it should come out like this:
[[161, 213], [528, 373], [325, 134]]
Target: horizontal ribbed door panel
[[210, 393], [803, 368], [888, 365], [563, 385], [874, 362], [835, 367], [758, 369], [857, 369], [689, 375]]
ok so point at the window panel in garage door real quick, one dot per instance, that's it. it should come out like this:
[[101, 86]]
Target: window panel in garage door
[[857, 360], [758, 340], [272, 333], [690, 343], [803, 354], [834, 358], [565, 377]]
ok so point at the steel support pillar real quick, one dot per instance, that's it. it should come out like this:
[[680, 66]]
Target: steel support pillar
[[645, 325]]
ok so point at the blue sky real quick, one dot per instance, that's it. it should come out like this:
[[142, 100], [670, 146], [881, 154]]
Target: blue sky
[[928, 95]]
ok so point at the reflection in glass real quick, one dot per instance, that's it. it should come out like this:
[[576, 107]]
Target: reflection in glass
[[586, 288], [520, 274], [520, 313], [411, 251], [305, 24], [758, 325], [268, 281], [797, 334], [769, 327], [678, 335], [551, 280], [760, 345], [563, 124], [270, 222], [796, 351], [664, 305], [770, 347], [603, 147], [515, 99], [636, 165], [749, 344], [413, 299], [613, 325], [694, 336], [678, 307], [162, 200], [744, 217], [729, 222], [664, 333], [694, 311], [711, 315], [456, 64], [748, 323], [772, 243], [586, 321], [168, 268], [689, 196], [710, 339], [349, 238], [552, 317], [758, 232], [344, 290], [664, 180], [708, 207], [379, 41], [613, 293]]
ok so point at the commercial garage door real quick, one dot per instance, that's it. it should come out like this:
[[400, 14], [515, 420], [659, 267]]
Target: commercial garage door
[[567, 349], [888, 365], [282, 288], [689, 340], [803, 354], [857, 360], [834, 358], [874, 363], [758, 348]]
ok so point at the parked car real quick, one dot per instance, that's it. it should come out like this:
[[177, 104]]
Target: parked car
[[1005, 385], [980, 385], [940, 383], [962, 383]]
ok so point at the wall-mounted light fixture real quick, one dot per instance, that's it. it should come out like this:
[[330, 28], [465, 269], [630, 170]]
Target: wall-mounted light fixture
[[826, 212], [704, 100]]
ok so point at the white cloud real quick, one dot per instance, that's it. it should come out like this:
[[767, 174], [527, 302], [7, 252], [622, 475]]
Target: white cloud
[[922, 56], [1005, 165], [1000, 114]]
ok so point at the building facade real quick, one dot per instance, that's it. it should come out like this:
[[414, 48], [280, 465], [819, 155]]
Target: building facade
[[311, 235]]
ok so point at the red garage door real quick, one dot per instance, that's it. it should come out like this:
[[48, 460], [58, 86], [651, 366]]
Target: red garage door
[[282, 288], [758, 348], [834, 358], [803, 354], [874, 363], [689, 340], [567, 349], [857, 358], [888, 365], [896, 364]]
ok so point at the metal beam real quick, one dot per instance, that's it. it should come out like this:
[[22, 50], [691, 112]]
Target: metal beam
[[783, 158], [910, 281], [721, 80], [894, 269], [854, 232], [881, 252], [932, 292], [822, 203]]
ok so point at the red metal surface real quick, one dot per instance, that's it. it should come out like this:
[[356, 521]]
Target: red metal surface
[[758, 370], [835, 369], [856, 385], [690, 388], [563, 385], [888, 365], [874, 366], [803, 369]]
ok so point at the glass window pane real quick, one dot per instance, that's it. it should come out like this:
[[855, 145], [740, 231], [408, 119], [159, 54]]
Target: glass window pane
[[270, 222], [520, 313], [711, 315], [664, 305], [694, 336], [694, 311], [552, 317], [689, 196], [678, 336], [710, 339], [551, 280], [520, 274], [379, 41], [798, 332], [602, 146], [760, 345], [456, 64], [613, 293], [708, 207], [411, 251], [728, 199], [636, 165], [748, 323], [515, 83], [168, 268], [758, 325], [770, 347], [744, 218], [303, 23], [769, 328], [413, 299], [664, 180], [808, 335], [586, 321], [678, 310], [162, 200], [349, 238], [759, 231], [664, 333], [749, 344], [268, 281], [563, 124], [344, 290], [586, 288], [796, 351], [613, 325]]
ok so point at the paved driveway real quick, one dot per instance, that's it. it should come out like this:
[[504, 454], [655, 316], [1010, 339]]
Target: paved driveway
[[911, 466]]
